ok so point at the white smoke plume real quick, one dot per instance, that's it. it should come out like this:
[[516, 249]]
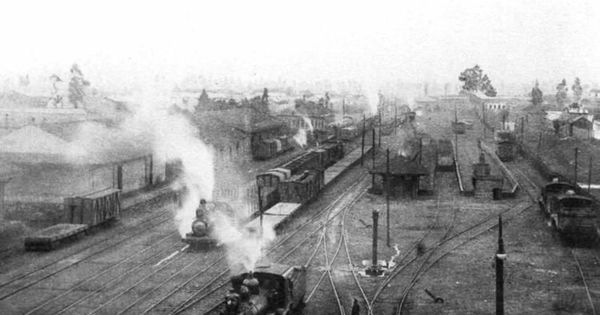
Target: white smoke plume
[[175, 138], [244, 246], [300, 137], [372, 97]]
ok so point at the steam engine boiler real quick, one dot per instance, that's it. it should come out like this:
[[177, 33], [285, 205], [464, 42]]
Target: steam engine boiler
[[200, 237]]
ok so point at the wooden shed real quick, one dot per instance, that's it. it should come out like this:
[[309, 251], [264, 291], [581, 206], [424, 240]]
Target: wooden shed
[[404, 174]]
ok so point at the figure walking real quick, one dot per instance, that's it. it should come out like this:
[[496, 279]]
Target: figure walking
[[355, 307]]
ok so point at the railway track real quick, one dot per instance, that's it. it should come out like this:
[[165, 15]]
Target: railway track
[[586, 260], [329, 261], [208, 288], [409, 267], [33, 277]]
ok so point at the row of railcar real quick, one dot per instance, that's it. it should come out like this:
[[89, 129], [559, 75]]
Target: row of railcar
[[571, 212], [281, 183], [81, 214]]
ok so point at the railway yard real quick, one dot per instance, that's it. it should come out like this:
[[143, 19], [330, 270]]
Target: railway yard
[[438, 257]]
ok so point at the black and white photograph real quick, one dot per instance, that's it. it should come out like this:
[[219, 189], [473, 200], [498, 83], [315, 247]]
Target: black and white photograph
[[299, 157]]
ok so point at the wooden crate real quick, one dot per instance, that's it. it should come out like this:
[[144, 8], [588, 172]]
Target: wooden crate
[[95, 208]]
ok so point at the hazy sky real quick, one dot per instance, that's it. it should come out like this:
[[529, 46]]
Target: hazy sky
[[122, 41]]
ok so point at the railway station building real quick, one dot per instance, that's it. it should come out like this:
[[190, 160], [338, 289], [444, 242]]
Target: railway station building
[[405, 175]]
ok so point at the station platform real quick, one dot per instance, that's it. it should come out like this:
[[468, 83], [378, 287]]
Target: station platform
[[342, 165], [275, 216], [467, 155]]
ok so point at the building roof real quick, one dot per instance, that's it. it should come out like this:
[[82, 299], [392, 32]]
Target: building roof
[[91, 144], [400, 165]]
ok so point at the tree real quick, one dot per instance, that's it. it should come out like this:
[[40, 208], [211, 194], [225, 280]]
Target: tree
[[561, 93], [76, 86], [265, 97], [471, 78], [577, 90], [203, 101], [487, 87], [474, 80], [537, 97]]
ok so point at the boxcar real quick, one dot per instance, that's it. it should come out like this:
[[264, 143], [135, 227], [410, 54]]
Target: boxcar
[[574, 215], [95, 208], [553, 189], [302, 188]]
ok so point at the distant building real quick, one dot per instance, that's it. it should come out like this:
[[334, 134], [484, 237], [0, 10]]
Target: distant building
[[53, 167]]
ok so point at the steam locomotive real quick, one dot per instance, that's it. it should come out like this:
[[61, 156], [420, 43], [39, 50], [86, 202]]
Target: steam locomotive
[[571, 213], [273, 289], [200, 237]]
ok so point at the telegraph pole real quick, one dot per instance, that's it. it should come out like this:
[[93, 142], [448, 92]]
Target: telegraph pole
[[590, 175], [387, 194], [362, 146], [395, 118], [373, 147], [500, 257], [575, 171]]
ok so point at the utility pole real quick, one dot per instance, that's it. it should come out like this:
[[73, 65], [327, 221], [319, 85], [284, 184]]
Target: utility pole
[[575, 171], [420, 150], [395, 118], [483, 119], [387, 194], [362, 145], [500, 257], [373, 147], [522, 129], [590, 175], [379, 140]]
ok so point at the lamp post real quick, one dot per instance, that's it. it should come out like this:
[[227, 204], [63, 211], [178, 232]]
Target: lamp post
[[499, 258]]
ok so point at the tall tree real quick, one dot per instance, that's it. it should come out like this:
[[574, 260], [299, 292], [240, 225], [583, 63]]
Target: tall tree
[[537, 97], [561, 93], [76, 86], [577, 90], [471, 78], [265, 97]]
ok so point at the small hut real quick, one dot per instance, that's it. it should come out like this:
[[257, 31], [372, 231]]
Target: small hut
[[404, 177]]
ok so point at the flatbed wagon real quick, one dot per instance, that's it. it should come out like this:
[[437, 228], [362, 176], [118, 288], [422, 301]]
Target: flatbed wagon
[[50, 237]]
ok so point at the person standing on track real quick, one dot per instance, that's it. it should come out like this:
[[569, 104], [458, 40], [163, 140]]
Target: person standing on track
[[355, 307]]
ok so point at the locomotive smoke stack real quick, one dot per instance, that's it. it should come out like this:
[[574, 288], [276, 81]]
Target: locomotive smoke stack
[[251, 283]]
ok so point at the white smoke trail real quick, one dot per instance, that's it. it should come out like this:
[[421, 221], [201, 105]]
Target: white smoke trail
[[244, 246], [175, 138], [300, 137]]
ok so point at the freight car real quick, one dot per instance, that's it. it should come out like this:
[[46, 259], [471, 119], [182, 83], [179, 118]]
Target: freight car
[[572, 214], [273, 289], [301, 188], [95, 208], [506, 145], [445, 156], [265, 149], [269, 182]]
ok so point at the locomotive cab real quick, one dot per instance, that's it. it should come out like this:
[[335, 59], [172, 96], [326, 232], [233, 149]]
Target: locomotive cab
[[273, 289]]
